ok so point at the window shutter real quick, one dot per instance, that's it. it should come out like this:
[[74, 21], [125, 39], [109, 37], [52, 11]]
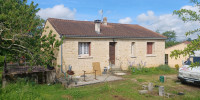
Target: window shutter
[[149, 47]]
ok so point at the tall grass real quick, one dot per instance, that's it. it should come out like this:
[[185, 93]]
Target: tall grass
[[162, 69], [23, 90], [20, 90]]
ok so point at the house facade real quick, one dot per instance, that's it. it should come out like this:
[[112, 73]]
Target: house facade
[[119, 45], [171, 61]]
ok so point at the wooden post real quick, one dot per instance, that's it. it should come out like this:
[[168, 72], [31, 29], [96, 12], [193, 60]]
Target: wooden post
[[95, 74], [84, 75], [43, 77], [4, 81]]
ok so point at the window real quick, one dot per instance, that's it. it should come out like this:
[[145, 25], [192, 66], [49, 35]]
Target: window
[[150, 47], [133, 48], [84, 48], [166, 59]]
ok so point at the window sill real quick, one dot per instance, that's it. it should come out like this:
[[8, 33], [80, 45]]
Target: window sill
[[85, 57], [133, 57], [151, 55]]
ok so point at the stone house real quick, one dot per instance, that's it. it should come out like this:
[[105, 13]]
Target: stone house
[[172, 61], [111, 44]]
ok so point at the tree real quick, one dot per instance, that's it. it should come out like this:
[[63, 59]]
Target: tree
[[189, 39], [171, 38], [157, 31], [189, 16], [171, 35], [170, 43], [20, 33]]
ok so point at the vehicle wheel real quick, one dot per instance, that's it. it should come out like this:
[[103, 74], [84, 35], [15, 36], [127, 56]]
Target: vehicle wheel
[[183, 81]]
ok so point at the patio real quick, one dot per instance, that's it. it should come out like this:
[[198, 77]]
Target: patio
[[77, 81]]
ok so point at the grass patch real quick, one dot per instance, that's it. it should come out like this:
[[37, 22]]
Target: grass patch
[[162, 69], [141, 80], [118, 90], [122, 90]]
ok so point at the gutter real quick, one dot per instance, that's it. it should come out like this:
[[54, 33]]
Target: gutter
[[62, 60], [111, 37]]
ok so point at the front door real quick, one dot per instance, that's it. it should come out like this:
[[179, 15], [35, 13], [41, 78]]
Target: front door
[[112, 52]]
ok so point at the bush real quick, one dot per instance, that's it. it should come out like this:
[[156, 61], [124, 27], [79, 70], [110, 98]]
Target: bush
[[164, 68], [177, 67]]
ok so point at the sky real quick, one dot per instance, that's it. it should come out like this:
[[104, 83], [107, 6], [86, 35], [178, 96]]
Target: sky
[[155, 15]]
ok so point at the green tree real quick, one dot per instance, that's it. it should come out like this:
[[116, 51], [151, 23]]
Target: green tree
[[20, 33], [171, 35], [171, 38], [189, 39], [189, 16], [170, 43]]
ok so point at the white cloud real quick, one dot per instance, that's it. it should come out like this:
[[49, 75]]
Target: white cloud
[[126, 20], [193, 8], [58, 11], [147, 18], [168, 22]]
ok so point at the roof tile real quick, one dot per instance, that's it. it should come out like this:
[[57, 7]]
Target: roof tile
[[87, 29]]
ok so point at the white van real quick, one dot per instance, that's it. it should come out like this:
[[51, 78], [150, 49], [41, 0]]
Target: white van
[[188, 74]]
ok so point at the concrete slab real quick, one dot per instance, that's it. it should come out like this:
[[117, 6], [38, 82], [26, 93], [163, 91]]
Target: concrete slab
[[90, 79]]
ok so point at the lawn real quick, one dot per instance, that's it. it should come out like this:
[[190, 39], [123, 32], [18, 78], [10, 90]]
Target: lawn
[[117, 90]]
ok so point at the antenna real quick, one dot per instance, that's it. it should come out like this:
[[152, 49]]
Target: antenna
[[101, 13]]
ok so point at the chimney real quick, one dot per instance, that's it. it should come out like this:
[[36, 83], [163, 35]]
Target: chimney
[[97, 26], [105, 21]]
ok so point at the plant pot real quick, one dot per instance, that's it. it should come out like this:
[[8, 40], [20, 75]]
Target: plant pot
[[11, 62], [70, 72]]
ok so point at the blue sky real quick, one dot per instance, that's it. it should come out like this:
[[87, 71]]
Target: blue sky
[[152, 14], [115, 9]]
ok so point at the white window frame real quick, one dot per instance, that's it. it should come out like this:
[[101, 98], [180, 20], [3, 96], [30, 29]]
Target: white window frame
[[133, 49], [83, 48]]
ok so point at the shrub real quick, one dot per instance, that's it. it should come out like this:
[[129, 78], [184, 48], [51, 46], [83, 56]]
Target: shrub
[[177, 67], [164, 68]]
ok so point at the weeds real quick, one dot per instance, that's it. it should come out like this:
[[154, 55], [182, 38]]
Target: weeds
[[20, 90], [162, 69]]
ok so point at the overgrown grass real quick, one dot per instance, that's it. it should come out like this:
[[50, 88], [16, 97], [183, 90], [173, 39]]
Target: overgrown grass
[[162, 69], [118, 90]]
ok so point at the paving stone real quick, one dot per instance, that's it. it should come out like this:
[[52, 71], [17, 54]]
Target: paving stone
[[143, 91]]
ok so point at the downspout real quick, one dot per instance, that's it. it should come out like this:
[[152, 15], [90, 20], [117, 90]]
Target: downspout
[[62, 61]]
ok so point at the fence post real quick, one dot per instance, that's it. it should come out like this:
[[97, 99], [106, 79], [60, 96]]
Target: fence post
[[4, 72]]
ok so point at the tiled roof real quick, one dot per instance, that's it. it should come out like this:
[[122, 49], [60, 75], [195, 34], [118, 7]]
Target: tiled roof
[[72, 28], [184, 42]]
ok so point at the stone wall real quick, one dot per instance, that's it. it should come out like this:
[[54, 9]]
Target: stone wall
[[100, 53], [172, 61]]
